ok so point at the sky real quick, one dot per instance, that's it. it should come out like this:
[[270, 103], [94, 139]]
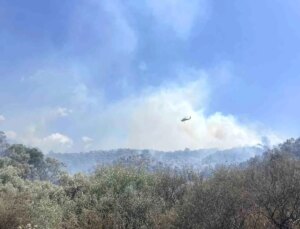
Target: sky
[[103, 74]]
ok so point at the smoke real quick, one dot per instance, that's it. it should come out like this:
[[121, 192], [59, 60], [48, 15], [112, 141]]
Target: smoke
[[150, 120], [153, 121]]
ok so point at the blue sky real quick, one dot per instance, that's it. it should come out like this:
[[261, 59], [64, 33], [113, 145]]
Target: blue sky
[[102, 74]]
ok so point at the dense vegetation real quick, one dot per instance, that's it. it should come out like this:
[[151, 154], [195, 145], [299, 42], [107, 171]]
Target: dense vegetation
[[262, 193], [200, 159]]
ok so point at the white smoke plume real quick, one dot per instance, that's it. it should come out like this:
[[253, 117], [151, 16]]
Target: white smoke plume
[[153, 121]]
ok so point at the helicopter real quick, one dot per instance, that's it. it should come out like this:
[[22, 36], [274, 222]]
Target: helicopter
[[186, 119]]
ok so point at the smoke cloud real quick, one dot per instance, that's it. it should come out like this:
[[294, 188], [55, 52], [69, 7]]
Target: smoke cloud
[[149, 120], [153, 121]]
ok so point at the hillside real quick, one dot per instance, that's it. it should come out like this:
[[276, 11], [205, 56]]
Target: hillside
[[198, 159]]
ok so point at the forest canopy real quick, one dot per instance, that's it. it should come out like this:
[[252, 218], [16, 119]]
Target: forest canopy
[[36, 192]]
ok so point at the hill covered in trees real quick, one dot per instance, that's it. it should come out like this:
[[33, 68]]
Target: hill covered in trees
[[263, 192], [198, 159]]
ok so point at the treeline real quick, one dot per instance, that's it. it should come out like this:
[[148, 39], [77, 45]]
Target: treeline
[[35, 192], [87, 161]]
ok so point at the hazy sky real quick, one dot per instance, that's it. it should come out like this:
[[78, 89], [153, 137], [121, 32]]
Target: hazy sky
[[101, 74]]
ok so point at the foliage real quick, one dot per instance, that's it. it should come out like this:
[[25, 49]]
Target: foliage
[[263, 193]]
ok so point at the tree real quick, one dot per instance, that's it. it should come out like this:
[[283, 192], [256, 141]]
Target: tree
[[274, 188], [3, 143]]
